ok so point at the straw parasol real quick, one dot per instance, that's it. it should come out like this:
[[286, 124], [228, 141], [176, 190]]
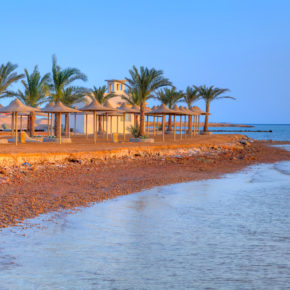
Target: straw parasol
[[163, 110], [94, 107], [58, 109], [16, 107]]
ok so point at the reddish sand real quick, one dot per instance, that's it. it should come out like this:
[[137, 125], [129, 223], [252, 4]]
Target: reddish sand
[[44, 188]]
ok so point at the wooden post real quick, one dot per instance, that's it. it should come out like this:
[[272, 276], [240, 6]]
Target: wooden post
[[94, 126], [107, 128], [124, 127], [198, 124], [87, 125], [154, 125], [75, 124], [191, 125], [163, 127], [148, 125], [68, 125], [16, 128], [111, 126], [48, 124], [59, 127], [180, 127], [174, 133]]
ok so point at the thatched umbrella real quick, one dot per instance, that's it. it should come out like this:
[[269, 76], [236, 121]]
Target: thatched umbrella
[[58, 109], [16, 107], [94, 107], [180, 113], [126, 109], [163, 110]]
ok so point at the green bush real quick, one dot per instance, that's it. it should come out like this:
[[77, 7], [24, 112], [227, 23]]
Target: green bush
[[134, 130]]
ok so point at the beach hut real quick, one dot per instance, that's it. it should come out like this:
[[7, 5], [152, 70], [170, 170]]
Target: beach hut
[[58, 109], [16, 107]]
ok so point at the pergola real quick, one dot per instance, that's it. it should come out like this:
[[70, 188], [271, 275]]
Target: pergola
[[16, 107], [58, 109]]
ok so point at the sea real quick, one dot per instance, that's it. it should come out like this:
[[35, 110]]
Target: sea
[[227, 233]]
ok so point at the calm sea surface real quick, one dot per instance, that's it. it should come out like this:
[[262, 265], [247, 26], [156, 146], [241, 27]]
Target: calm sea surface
[[279, 132], [228, 233]]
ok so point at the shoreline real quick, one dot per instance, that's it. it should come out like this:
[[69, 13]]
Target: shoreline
[[40, 188]]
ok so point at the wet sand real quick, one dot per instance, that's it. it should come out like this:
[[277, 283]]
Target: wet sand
[[42, 188]]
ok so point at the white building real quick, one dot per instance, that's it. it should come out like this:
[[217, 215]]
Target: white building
[[118, 88]]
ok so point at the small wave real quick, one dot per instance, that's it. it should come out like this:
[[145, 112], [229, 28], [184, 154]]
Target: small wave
[[283, 167]]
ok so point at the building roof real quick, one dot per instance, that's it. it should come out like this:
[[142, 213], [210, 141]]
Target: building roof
[[116, 81]]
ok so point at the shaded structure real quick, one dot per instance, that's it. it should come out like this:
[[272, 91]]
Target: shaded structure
[[163, 111], [16, 107], [95, 107], [58, 109]]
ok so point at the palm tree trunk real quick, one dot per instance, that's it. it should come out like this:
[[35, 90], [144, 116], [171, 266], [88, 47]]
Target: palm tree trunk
[[205, 128], [189, 124], [169, 126], [100, 124], [67, 125], [32, 124], [142, 119], [57, 128]]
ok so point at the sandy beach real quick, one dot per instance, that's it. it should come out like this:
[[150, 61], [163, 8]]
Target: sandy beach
[[32, 189]]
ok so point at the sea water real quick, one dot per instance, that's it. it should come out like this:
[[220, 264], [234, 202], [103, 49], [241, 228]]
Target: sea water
[[227, 233], [280, 132]]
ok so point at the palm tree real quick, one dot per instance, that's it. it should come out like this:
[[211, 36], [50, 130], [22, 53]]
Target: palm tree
[[62, 89], [210, 94], [145, 82], [8, 76], [36, 89], [190, 96], [169, 97], [100, 95], [132, 97]]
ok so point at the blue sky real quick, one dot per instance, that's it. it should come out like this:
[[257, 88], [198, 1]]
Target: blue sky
[[241, 45]]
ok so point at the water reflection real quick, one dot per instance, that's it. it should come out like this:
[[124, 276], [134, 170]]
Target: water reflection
[[226, 233]]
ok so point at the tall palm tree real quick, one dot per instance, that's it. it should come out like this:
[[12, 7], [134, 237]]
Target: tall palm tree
[[62, 89], [8, 76], [36, 89], [190, 96], [145, 82], [169, 97], [209, 94], [99, 93]]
